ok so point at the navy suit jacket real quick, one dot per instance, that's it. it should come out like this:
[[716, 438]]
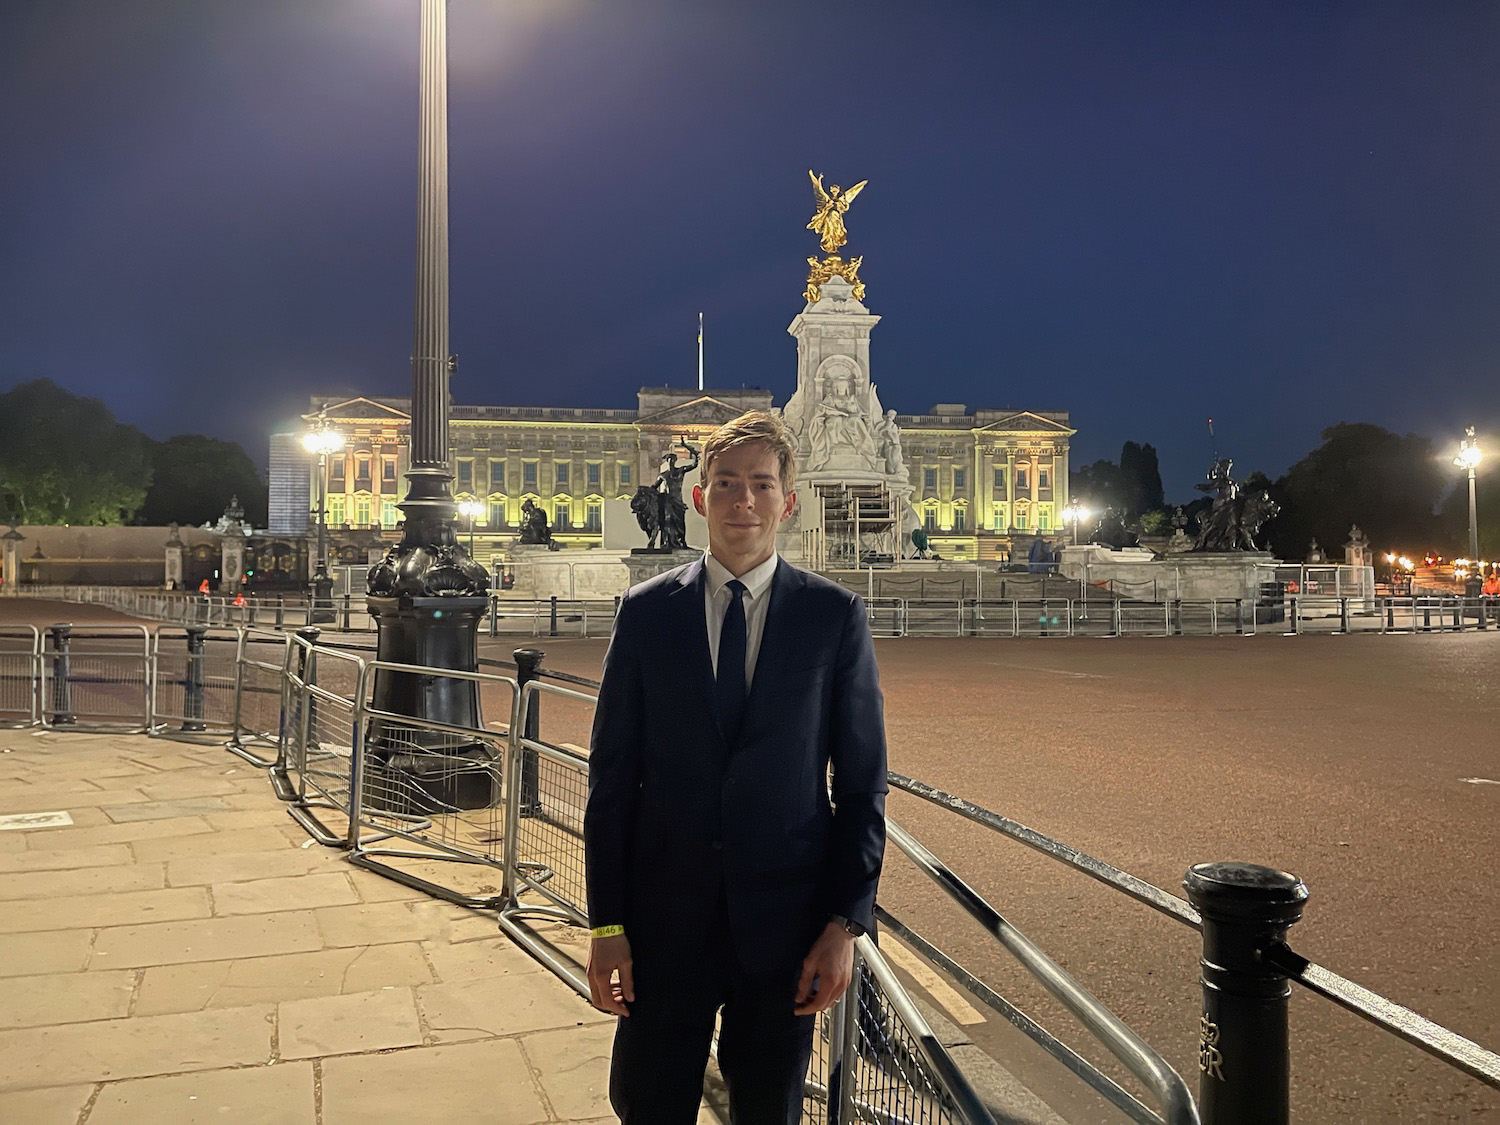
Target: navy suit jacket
[[678, 816]]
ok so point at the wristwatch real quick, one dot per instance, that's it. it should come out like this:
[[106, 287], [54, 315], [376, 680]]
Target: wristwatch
[[854, 929]]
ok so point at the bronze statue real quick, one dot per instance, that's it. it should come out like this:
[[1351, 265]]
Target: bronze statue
[[1113, 532], [534, 529], [828, 220], [1234, 520], [660, 509]]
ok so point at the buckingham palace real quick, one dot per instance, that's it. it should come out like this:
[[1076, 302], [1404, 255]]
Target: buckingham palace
[[982, 480]]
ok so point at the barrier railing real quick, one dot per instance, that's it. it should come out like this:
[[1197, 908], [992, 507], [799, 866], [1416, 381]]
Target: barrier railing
[[96, 678], [20, 675], [1101, 615]]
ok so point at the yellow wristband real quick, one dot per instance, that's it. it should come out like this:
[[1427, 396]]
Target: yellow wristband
[[608, 931]]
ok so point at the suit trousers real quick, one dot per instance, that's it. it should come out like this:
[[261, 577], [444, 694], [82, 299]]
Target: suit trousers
[[661, 1048]]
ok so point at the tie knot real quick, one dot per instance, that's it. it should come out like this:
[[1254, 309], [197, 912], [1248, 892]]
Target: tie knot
[[735, 587]]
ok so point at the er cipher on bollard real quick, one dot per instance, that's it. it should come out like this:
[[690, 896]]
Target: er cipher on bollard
[[1244, 1059]]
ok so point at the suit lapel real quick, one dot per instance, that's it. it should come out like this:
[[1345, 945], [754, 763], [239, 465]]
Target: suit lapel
[[690, 627], [777, 639]]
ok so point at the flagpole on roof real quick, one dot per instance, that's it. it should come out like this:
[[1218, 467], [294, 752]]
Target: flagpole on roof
[[700, 351]]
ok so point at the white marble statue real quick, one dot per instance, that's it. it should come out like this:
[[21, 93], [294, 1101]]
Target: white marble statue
[[840, 424], [890, 445]]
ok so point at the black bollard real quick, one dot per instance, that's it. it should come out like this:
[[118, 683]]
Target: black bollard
[[1244, 1058], [1239, 616], [307, 672], [1343, 615], [494, 614], [346, 613], [1177, 628], [280, 611], [62, 687], [552, 631], [528, 668], [192, 679]]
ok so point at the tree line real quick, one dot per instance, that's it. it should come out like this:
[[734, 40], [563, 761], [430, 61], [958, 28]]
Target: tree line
[[65, 459], [1397, 488]]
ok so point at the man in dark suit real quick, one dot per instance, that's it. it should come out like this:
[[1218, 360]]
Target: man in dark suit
[[720, 876]]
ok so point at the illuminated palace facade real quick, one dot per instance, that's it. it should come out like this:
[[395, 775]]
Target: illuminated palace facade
[[984, 480]]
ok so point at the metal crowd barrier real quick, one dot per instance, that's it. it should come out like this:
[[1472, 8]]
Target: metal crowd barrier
[[20, 675], [96, 678], [1103, 615]]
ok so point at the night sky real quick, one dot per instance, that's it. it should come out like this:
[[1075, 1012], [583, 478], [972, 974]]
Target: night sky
[[1280, 215]]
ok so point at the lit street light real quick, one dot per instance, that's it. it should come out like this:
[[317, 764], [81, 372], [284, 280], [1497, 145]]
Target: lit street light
[[1073, 513], [470, 508], [322, 439], [1469, 458]]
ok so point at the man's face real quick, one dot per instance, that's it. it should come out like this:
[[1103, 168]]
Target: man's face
[[743, 502]]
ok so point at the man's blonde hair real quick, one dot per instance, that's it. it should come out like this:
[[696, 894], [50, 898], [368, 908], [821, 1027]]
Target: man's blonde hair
[[754, 427]]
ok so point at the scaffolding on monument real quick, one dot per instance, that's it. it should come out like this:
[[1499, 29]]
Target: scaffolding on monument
[[858, 526]]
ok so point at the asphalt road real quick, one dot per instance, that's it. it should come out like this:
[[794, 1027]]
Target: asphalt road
[[1343, 759]]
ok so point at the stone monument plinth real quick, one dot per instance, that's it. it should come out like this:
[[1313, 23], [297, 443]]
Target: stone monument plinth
[[1198, 576], [643, 564]]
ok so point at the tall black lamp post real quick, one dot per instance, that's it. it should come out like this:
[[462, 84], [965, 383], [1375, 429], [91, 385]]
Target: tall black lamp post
[[322, 439], [427, 595], [1469, 458]]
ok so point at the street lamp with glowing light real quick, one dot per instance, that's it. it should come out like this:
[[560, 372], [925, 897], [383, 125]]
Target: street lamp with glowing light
[[1073, 513], [470, 509], [1469, 458], [323, 440]]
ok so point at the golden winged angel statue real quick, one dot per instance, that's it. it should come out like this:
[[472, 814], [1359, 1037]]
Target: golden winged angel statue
[[828, 220]]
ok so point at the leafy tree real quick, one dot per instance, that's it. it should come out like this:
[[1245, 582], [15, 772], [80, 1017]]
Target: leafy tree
[[1388, 484], [64, 459], [1097, 486], [1140, 476], [193, 479]]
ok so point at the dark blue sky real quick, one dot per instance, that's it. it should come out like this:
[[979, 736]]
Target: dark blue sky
[[1283, 215]]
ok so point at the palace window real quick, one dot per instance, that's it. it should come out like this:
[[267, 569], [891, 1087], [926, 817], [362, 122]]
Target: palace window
[[929, 520], [497, 512], [336, 511], [528, 476], [595, 472], [362, 474], [466, 475], [562, 470], [595, 519], [1023, 480], [960, 480], [929, 480], [1000, 524], [1020, 519], [563, 519], [960, 519], [1044, 519], [497, 473], [390, 515], [336, 478], [625, 474], [388, 472], [1000, 481], [1043, 479], [361, 511]]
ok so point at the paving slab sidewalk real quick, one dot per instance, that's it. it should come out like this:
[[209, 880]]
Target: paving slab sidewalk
[[183, 953]]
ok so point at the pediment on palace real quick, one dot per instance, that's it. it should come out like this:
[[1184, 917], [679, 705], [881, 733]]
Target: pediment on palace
[[1025, 422], [703, 411], [363, 410]]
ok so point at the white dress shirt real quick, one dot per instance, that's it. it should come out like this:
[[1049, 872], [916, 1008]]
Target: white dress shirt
[[757, 599]]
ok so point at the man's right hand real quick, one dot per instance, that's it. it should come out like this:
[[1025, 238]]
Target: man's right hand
[[611, 974]]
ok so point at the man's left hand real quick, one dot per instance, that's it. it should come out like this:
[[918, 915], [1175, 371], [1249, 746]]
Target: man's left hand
[[826, 970]]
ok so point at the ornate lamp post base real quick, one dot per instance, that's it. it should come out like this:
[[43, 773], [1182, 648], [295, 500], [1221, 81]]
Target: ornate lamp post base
[[413, 770]]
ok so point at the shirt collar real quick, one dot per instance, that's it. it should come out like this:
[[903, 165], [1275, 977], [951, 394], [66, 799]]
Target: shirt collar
[[756, 581]]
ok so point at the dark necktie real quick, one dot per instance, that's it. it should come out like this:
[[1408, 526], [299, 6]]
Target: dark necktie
[[729, 689]]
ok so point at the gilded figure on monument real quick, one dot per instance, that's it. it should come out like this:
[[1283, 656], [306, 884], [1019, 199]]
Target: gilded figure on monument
[[828, 220]]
